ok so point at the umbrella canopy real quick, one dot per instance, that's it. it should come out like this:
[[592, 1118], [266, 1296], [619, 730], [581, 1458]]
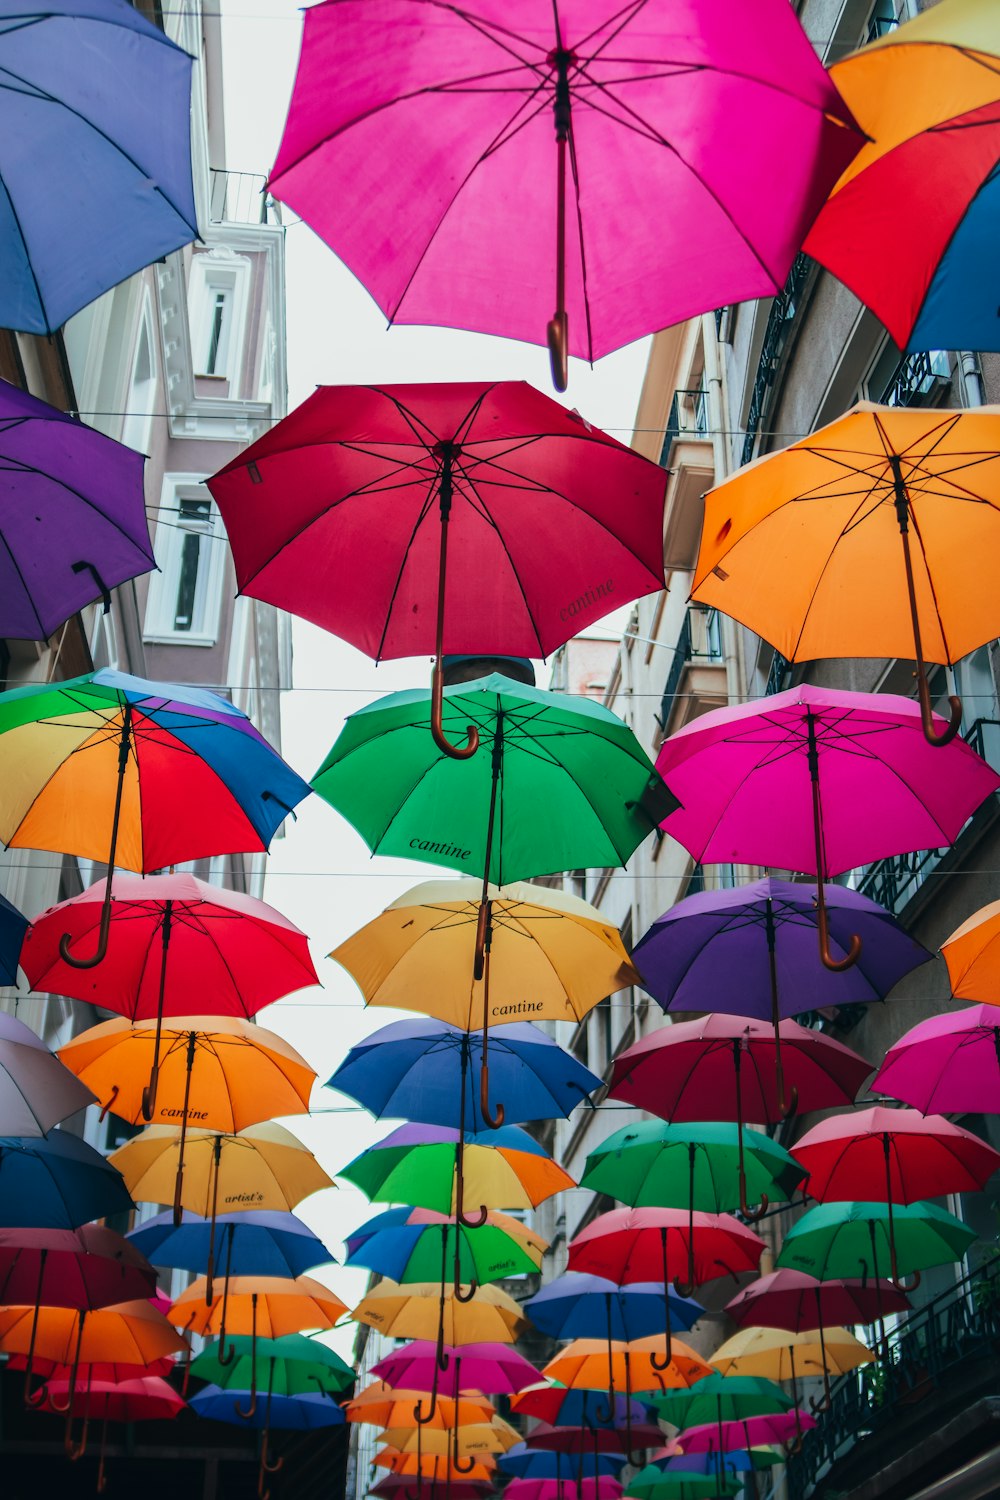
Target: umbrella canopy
[[810, 547], [552, 956], [83, 1268], [254, 1242], [36, 1089], [575, 1305], [436, 1467], [735, 1461], [590, 1364], [300, 1413], [476, 192], [781, 1355], [491, 1436], [347, 510], [794, 1300], [417, 1164], [144, 1398], [381, 1405], [636, 1244], [778, 1427], [604, 1487], [57, 1182], [263, 1167], [410, 1244], [525, 1462], [425, 1070], [926, 94], [293, 1365], [848, 1239], [493, 1368], [86, 491], [108, 165], [426, 1310], [948, 1063], [553, 1403], [129, 1332], [722, 1398], [13, 927], [588, 1439], [655, 1483], [896, 1154], [972, 954], [269, 1306]]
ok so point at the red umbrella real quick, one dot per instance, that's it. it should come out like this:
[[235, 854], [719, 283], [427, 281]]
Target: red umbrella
[[723, 1068], [345, 511], [796, 1301], [170, 937], [583, 1440], [661, 1244], [143, 1399]]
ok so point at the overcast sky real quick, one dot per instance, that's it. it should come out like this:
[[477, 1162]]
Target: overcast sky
[[321, 874]]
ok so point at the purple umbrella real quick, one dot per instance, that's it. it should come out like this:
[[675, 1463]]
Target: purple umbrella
[[818, 781], [72, 516], [764, 935]]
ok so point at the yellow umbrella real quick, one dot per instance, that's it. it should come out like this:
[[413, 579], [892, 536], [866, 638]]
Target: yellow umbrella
[[778, 1354], [429, 1310], [874, 537], [437, 1467], [217, 1072], [261, 1306], [496, 1436], [380, 1405]]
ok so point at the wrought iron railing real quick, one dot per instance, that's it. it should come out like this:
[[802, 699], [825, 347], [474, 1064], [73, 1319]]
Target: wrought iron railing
[[776, 331], [893, 882], [917, 379], [880, 26], [700, 640], [241, 198], [777, 675], [688, 417], [956, 1328]]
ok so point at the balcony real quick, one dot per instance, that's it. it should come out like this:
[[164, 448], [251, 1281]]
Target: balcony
[[241, 198], [887, 1425], [688, 455], [696, 680], [894, 882], [919, 380]]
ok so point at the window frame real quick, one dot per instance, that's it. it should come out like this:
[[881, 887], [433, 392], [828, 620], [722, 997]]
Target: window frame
[[168, 545]]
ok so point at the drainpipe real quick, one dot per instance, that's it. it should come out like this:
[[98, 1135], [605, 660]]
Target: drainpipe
[[972, 378]]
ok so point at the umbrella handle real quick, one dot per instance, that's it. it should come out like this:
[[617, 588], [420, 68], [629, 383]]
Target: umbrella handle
[[906, 1287], [557, 332], [457, 752], [75, 1451], [668, 1359], [463, 1465], [837, 965], [557, 338], [850, 958], [459, 1292], [446, 453], [252, 1406], [750, 1214], [481, 969], [792, 1104], [149, 1092], [104, 930], [111, 1102]]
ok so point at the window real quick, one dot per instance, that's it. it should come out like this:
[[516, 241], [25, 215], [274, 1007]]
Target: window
[[217, 299], [189, 541], [141, 397]]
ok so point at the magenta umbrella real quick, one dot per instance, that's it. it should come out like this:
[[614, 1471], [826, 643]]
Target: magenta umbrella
[[495, 1369], [948, 1064], [446, 152], [775, 1427], [604, 1487], [818, 781]]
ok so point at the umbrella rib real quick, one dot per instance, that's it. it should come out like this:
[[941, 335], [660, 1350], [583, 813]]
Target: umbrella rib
[[507, 553], [422, 515], [63, 484], [27, 252], [24, 582], [814, 592], [930, 585]]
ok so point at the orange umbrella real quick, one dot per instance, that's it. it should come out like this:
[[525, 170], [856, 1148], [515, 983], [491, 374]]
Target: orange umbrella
[[261, 1306], [382, 1406], [494, 1436], [874, 537], [216, 1072], [972, 954]]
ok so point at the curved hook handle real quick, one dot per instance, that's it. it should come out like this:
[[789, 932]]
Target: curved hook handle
[[75, 1451], [478, 1221], [149, 1093], [823, 1404], [927, 719], [684, 1288], [462, 1465], [457, 752], [269, 1466], [39, 1396], [226, 1356], [115, 1091], [604, 1413], [836, 965], [419, 1415], [795, 1446], [459, 1292], [103, 933], [752, 1214], [493, 1121], [482, 928], [900, 1283], [557, 338], [667, 1361], [251, 1409], [789, 1109]]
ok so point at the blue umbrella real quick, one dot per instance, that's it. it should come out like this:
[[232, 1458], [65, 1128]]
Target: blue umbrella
[[292, 1413], [95, 165], [579, 1408], [257, 1243], [578, 1306], [424, 1069], [12, 929], [56, 1182], [540, 1463]]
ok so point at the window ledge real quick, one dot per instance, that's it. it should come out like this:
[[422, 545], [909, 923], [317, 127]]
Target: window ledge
[[181, 640]]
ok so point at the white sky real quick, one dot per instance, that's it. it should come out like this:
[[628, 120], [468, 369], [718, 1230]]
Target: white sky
[[321, 874]]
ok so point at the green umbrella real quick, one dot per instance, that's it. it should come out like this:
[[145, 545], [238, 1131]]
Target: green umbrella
[[852, 1239], [694, 1166], [298, 1366], [654, 1483], [557, 783], [720, 1398]]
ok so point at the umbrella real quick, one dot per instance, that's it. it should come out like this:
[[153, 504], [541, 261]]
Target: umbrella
[[690, 1165], [766, 933], [394, 1484], [460, 125], [947, 1063], [897, 1155], [821, 532], [300, 1413], [721, 1398], [409, 1244], [297, 1365], [263, 1167], [426, 1310], [594, 1439], [254, 1242], [493, 1368], [145, 1398], [654, 1483], [56, 1182], [636, 1244], [342, 509], [175, 773], [13, 927], [381, 1405], [218, 1072], [818, 781], [36, 1090], [386, 775], [83, 493], [595, 1410], [575, 1305], [604, 1487], [724, 1065], [437, 1467], [736, 1460], [552, 958], [419, 1164], [265, 1307], [493, 1435], [843, 1239], [972, 954], [926, 94], [170, 936], [777, 1427], [524, 1462], [780, 1355], [109, 165]]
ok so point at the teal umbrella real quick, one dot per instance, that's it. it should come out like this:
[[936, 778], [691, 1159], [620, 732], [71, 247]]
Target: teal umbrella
[[720, 1398], [856, 1239], [556, 783], [654, 1483], [297, 1365]]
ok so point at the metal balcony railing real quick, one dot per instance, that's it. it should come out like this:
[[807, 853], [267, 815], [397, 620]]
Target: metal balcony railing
[[958, 1327], [241, 198], [893, 882], [700, 640], [777, 675], [776, 331], [688, 417], [917, 380], [880, 26]]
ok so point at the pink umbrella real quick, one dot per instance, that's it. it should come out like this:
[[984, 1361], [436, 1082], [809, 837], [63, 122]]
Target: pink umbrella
[[653, 1244], [948, 1064], [777, 1427], [430, 146], [818, 781], [604, 1487], [496, 1369]]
